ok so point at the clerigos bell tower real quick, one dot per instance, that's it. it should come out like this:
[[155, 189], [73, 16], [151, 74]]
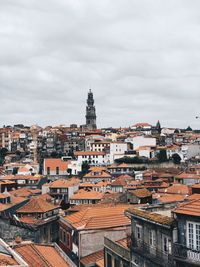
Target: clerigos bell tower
[[90, 112]]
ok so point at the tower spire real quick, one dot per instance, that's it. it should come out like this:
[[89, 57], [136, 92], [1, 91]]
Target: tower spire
[[90, 112]]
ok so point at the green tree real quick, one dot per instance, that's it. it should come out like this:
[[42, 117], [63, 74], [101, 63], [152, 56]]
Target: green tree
[[162, 156], [15, 170], [85, 168], [176, 158], [3, 152]]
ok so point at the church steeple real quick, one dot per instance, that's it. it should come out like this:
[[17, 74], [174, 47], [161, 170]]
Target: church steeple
[[90, 112]]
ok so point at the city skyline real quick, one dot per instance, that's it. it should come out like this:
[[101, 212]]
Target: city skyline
[[141, 59]]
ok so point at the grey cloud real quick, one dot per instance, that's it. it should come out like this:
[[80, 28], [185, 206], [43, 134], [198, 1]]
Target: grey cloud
[[141, 59]]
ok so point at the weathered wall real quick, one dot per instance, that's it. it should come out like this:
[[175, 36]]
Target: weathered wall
[[92, 241]]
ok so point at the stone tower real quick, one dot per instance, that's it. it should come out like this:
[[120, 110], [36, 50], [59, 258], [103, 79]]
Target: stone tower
[[90, 112]]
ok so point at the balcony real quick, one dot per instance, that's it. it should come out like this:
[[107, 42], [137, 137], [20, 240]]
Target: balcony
[[153, 254], [117, 248], [185, 254]]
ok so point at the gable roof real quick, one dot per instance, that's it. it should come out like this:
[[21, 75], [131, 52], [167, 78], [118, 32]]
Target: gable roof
[[53, 163], [177, 189], [92, 258], [185, 175], [41, 255], [89, 153], [37, 205], [101, 174], [64, 183], [192, 208], [141, 193], [86, 194], [150, 216], [99, 217]]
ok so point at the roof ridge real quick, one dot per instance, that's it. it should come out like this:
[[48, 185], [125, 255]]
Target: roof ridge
[[40, 255]]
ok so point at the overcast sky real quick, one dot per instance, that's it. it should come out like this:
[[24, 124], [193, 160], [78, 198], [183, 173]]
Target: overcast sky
[[141, 59]]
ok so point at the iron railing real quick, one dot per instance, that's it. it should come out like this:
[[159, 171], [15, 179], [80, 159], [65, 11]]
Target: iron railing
[[153, 253], [182, 252]]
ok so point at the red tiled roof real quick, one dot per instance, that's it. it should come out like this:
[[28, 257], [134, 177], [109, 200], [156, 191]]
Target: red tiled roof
[[24, 192], [169, 198], [86, 194], [99, 217], [141, 193], [177, 189], [193, 197], [196, 186], [192, 208], [37, 205], [6, 260], [41, 255], [185, 175], [64, 183], [141, 124], [158, 218], [87, 153], [101, 174], [53, 163], [92, 258], [125, 242]]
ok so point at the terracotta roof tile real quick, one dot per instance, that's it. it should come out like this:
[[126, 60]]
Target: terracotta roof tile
[[99, 217], [177, 189], [141, 193], [169, 198], [185, 175], [86, 194], [64, 183], [52, 163], [36, 205], [41, 255], [193, 197], [160, 219], [6, 260], [192, 208], [92, 258], [100, 263], [125, 242], [88, 153], [101, 174]]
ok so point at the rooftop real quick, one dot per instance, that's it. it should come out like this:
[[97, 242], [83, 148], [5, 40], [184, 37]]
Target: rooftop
[[53, 163], [41, 255], [64, 183], [86, 194], [37, 205], [142, 193], [92, 258], [154, 217], [99, 217], [88, 153], [191, 208]]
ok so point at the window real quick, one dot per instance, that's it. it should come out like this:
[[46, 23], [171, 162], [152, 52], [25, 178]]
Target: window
[[48, 170], [64, 237], [57, 170], [138, 231], [152, 238], [166, 244], [108, 260], [193, 235], [117, 263], [61, 234]]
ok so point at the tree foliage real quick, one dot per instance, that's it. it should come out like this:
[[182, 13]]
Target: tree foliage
[[176, 158]]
